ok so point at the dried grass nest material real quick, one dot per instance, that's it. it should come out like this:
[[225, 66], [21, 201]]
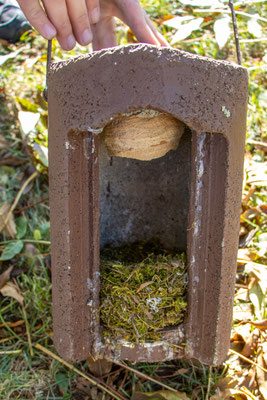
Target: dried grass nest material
[[137, 301]]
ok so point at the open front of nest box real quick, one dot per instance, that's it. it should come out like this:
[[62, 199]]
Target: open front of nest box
[[145, 142]]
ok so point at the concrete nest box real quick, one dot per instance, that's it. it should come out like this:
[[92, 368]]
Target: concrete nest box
[[145, 142]]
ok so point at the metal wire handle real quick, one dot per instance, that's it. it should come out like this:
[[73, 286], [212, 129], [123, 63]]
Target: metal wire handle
[[48, 62]]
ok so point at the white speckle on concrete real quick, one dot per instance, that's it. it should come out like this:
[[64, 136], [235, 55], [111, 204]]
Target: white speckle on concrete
[[226, 112], [90, 284], [196, 279], [67, 145], [69, 267]]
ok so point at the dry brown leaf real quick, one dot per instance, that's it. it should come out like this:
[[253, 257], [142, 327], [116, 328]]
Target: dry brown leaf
[[259, 324], [3, 143], [247, 255], [251, 212], [264, 351], [242, 294], [263, 208], [247, 195], [251, 344], [144, 285], [10, 228], [160, 395], [13, 324], [5, 276], [242, 312], [262, 376], [10, 290]]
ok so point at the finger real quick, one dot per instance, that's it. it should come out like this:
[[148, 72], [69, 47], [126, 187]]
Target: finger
[[58, 15], [104, 34], [79, 18], [157, 34], [37, 17], [93, 10], [133, 16]]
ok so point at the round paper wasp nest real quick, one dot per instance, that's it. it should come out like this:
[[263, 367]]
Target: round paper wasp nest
[[143, 135]]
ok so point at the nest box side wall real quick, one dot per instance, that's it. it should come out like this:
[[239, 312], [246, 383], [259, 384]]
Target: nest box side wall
[[84, 94]]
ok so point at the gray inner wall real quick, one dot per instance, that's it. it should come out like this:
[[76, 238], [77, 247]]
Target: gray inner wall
[[142, 200]]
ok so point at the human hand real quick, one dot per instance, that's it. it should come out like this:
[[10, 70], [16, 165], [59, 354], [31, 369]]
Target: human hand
[[131, 13], [74, 20]]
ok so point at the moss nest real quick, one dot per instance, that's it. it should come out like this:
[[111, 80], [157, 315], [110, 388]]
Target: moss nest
[[139, 299]]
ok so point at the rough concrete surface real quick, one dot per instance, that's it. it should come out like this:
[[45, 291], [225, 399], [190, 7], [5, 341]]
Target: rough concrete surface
[[210, 97]]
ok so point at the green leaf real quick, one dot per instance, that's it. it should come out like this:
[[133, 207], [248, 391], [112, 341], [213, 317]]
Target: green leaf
[[62, 381], [37, 234], [45, 230], [27, 105], [256, 297], [21, 225], [11, 250]]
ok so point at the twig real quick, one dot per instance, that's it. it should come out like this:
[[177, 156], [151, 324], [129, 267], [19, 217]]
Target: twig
[[247, 360], [28, 331], [25, 184], [141, 375], [72, 368], [46, 242], [237, 44], [31, 205], [11, 352]]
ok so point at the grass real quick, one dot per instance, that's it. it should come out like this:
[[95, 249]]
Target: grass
[[25, 371]]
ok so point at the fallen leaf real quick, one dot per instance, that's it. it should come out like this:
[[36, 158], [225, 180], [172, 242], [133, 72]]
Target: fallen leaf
[[242, 294], [160, 395], [254, 28], [5, 276], [261, 376], [42, 152], [202, 3], [28, 121], [176, 22], [21, 224], [251, 344], [13, 324], [10, 227], [257, 299], [185, 30], [9, 56], [222, 31], [143, 286], [264, 351], [3, 143], [11, 250], [10, 290], [242, 311], [262, 325], [247, 254]]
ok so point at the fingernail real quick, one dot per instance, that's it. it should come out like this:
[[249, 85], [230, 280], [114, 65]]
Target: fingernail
[[71, 42], [49, 31], [95, 15], [86, 37]]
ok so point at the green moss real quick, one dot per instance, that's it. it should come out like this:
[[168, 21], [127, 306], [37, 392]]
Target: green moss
[[140, 299]]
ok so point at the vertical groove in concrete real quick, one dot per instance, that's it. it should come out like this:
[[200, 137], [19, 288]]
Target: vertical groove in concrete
[[205, 244]]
